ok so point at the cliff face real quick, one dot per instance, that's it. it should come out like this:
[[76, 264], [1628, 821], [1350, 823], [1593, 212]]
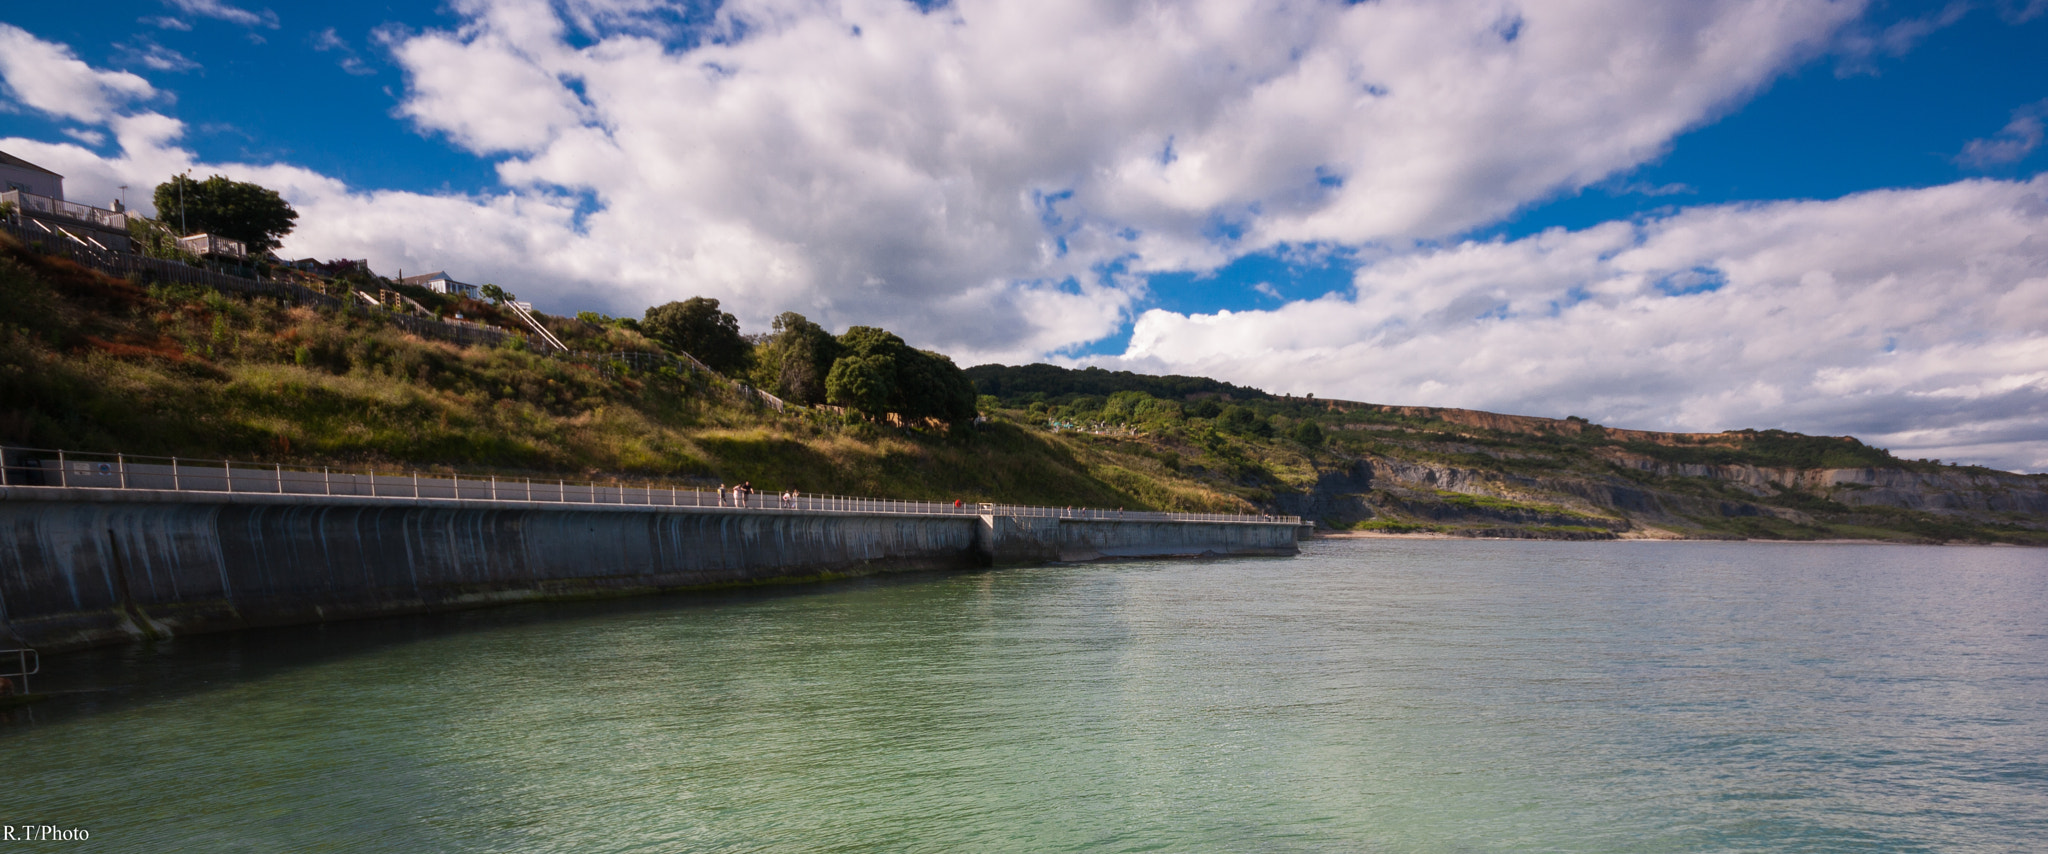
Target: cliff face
[[1969, 492], [1644, 497]]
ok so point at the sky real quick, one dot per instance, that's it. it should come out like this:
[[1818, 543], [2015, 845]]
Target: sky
[[1828, 216]]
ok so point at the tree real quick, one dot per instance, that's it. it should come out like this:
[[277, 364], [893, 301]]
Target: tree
[[797, 362], [912, 383], [1242, 420], [696, 326], [238, 210], [860, 383], [1309, 433], [497, 294]]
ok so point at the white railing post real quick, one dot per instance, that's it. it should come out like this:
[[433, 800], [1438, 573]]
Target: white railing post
[[227, 474], [121, 466], [455, 479], [494, 487], [280, 478], [415, 484], [175, 484], [63, 472], [326, 481]]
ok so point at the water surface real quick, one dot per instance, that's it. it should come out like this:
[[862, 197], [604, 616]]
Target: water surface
[[1374, 695]]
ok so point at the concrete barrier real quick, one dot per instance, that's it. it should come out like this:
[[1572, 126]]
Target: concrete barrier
[[82, 567]]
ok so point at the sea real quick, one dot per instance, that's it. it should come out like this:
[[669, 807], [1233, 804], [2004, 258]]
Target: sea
[[1370, 695]]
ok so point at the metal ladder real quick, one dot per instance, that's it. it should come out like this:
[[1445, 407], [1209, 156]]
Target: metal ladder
[[26, 663]]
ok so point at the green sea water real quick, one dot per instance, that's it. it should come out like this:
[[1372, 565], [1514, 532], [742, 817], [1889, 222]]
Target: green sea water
[[1369, 695]]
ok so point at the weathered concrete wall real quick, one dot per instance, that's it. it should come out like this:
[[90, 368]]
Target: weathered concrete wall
[[81, 567], [80, 572], [1095, 539], [1018, 539]]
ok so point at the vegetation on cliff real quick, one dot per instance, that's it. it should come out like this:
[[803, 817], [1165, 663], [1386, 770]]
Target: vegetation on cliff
[[89, 362], [1398, 469]]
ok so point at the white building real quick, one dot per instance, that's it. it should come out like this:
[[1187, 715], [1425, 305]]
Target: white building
[[37, 197], [440, 283]]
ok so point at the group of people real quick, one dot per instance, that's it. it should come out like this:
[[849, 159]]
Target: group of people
[[742, 495]]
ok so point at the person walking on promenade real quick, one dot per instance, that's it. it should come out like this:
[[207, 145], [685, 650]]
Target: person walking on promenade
[[747, 494], [721, 495]]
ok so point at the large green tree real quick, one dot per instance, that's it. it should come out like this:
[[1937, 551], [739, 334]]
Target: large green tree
[[696, 326], [877, 372], [251, 213]]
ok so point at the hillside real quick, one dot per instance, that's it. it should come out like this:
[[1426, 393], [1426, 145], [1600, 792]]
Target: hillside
[[1400, 469], [93, 363]]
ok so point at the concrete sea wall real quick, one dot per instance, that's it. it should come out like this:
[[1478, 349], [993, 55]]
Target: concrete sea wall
[[83, 567]]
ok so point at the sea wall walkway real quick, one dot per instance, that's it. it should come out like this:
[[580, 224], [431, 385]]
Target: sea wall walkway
[[105, 549]]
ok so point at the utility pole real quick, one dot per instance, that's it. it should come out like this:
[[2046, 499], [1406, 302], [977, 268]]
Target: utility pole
[[182, 230]]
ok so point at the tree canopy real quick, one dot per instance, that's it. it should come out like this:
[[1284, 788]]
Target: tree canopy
[[696, 326], [877, 372], [238, 210]]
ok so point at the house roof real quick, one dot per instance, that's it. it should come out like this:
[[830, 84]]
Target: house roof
[[11, 160], [425, 278]]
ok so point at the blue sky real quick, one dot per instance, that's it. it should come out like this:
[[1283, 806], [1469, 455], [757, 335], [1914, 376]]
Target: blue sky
[[1536, 206]]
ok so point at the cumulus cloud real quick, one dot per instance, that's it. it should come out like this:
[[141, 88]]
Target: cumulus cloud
[[996, 179], [2012, 144], [50, 78], [1909, 317], [867, 161]]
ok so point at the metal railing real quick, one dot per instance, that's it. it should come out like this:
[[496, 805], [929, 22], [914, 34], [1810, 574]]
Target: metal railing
[[117, 472], [22, 668], [28, 202]]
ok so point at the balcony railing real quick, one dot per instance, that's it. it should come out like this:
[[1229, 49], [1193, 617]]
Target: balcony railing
[[31, 203], [120, 472]]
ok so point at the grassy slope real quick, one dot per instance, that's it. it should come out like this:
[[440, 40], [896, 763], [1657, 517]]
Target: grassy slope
[[93, 363], [1511, 475]]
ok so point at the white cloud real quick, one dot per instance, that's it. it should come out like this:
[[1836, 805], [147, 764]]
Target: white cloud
[[2013, 143], [50, 78], [328, 40], [1910, 318], [863, 161], [994, 178], [149, 53], [1859, 47], [225, 12]]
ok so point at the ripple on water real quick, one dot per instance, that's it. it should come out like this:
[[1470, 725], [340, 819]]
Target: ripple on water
[[1369, 695]]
